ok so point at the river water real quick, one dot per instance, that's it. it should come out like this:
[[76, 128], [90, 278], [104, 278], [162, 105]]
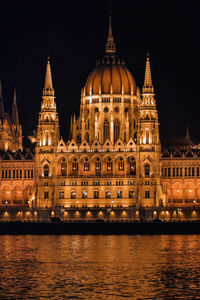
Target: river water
[[100, 267]]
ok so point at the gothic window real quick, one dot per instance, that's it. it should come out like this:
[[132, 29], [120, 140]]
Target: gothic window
[[173, 171], [197, 171], [106, 130], [98, 167], [116, 130], [84, 194], [96, 194], [86, 165], [189, 171], [46, 171], [28, 173], [75, 166], [147, 194], [169, 172], [147, 169], [119, 194], [61, 194], [31, 173], [121, 164], [132, 165], [109, 165], [20, 173], [73, 195], [131, 194], [2, 174], [17, 173], [14, 173], [108, 195], [63, 168]]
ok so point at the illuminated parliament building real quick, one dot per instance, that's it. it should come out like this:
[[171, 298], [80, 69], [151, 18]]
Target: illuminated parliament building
[[113, 164]]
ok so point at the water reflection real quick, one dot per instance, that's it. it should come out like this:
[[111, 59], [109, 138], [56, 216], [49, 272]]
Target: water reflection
[[85, 267]]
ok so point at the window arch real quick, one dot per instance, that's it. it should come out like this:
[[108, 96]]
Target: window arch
[[106, 130], [116, 130], [147, 136], [46, 171], [147, 169]]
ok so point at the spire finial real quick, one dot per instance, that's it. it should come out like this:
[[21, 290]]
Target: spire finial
[[15, 116], [110, 44], [48, 86], [148, 86]]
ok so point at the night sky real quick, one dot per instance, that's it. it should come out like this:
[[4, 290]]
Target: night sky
[[74, 35]]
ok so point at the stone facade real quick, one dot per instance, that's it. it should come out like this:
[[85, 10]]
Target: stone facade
[[112, 167]]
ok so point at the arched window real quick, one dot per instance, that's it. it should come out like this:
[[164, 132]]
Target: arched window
[[119, 194], [84, 194], [147, 194], [106, 130], [46, 171], [46, 195], [197, 171], [108, 194], [75, 166], [121, 164], [109, 165], [131, 194], [116, 130], [147, 169], [86, 165], [63, 167], [73, 195], [61, 194], [97, 167], [132, 165]]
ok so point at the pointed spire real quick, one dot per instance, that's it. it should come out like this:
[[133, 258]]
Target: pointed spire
[[110, 44], [48, 86], [1, 103], [15, 116], [148, 87]]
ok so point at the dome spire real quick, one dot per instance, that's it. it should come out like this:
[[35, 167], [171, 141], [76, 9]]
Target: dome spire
[[110, 44], [148, 86], [48, 86]]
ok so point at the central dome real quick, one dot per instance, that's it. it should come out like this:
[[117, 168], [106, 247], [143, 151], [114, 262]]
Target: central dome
[[110, 76]]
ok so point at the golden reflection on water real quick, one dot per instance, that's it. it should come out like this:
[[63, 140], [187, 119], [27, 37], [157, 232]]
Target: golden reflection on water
[[85, 267]]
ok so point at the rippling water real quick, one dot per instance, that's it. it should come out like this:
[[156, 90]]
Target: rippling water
[[98, 267]]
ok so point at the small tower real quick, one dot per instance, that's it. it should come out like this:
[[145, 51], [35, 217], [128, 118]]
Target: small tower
[[16, 127], [149, 148], [48, 135]]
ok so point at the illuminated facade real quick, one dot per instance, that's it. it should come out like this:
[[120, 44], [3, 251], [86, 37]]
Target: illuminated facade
[[113, 160]]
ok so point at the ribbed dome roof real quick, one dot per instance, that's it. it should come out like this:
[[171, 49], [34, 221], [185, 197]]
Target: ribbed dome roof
[[109, 74]]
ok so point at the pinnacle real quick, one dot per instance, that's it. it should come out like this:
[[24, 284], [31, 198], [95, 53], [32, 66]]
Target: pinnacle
[[48, 87], [110, 44], [148, 87]]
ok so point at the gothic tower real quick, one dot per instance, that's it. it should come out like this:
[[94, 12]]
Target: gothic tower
[[47, 139], [149, 147], [16, 127]]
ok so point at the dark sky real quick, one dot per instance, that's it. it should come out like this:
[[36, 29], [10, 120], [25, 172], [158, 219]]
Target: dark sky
[[74, 34]]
